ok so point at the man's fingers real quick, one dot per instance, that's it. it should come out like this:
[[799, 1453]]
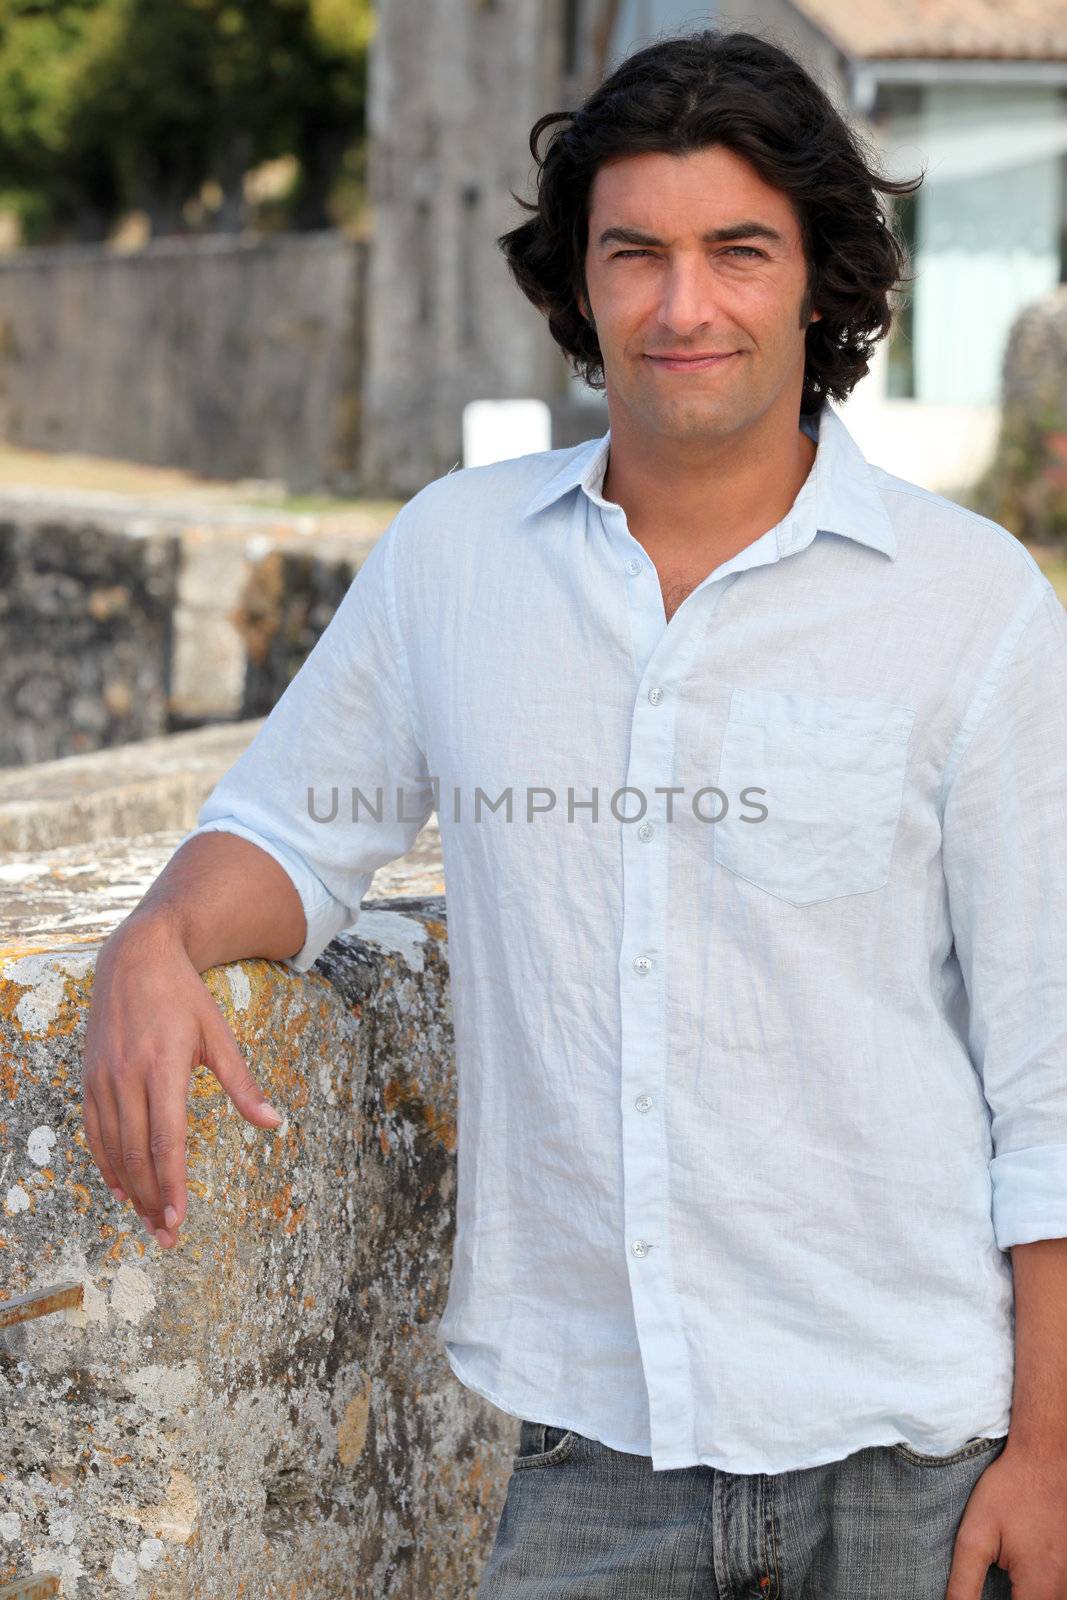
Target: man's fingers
[[136, 1121], [223, 1056], [168, 1120], [971, 1561], [105, 1107], [107, 1112], [137, 1163], [91, 1118]]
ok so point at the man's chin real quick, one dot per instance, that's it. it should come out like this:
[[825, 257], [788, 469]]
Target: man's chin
[[706, 419]]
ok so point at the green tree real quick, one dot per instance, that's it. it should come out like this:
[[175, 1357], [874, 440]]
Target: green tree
[[37, 46], [112, 104]]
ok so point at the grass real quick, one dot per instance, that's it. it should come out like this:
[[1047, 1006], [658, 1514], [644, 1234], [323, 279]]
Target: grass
[[323, 504], [64, 469]]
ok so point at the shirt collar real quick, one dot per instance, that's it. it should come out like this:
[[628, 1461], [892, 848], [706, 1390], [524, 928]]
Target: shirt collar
[[839, 496]]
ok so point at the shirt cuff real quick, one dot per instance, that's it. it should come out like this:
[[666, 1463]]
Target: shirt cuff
[[324, 915], [1030, 1194]]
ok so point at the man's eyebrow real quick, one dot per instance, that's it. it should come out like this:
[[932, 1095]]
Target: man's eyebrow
[[736, 230]]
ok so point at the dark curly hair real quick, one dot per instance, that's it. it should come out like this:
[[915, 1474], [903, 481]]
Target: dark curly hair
[[738, 90]]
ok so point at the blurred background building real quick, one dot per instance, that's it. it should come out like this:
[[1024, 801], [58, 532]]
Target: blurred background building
[[271, 230]]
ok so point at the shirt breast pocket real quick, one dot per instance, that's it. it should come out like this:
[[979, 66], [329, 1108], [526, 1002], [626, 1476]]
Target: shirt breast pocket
[[833, 770]]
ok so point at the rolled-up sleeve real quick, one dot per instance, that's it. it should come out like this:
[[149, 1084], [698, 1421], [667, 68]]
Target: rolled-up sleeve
[[346, 723], [1004, 850]]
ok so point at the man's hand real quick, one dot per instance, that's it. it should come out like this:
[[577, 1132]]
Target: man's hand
[[151, 1022], [1016, 1517]]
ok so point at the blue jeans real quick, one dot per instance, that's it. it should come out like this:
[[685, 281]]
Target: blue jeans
[[584, 1522]]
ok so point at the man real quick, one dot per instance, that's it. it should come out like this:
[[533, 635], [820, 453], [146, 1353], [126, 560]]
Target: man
[[750, 763]]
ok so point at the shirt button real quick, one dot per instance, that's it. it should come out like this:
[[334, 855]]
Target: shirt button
[[643, 1102], [655, 696], [633, 566], [645, 831], [640, 1247], [642, 964]]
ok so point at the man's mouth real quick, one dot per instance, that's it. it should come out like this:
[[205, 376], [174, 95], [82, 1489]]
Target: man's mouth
[[692, 363]]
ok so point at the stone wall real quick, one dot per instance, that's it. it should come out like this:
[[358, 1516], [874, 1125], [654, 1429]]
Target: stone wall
[[121, 624], [263, 1411], [86, 624], [228, 356]]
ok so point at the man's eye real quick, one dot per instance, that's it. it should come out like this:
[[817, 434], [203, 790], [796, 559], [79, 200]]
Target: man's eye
[[742, 249]]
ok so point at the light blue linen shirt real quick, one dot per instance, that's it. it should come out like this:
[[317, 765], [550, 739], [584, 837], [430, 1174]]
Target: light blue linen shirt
[[750, 1110]]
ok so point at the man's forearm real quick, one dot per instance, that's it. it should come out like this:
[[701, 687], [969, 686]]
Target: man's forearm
[[227, 900], [1039, 1398]]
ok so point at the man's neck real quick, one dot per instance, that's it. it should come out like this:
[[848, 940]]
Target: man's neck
[[734, 495]]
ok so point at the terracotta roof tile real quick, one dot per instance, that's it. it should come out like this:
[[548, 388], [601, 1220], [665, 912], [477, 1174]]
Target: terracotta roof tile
[[999, 29]]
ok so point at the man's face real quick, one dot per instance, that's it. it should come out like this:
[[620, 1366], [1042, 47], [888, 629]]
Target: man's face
[[738, 297]]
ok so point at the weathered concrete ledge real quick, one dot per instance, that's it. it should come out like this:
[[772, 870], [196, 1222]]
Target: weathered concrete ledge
[[265, 1410], [144, 787], [77, 894]]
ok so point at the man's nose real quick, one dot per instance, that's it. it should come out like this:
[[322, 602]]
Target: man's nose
[[688, 300]]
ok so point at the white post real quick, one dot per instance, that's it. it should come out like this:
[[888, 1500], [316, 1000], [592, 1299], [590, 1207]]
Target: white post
[[499, 430]]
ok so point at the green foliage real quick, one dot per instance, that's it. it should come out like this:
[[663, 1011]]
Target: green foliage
[[111, 104], [1025, 486]]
